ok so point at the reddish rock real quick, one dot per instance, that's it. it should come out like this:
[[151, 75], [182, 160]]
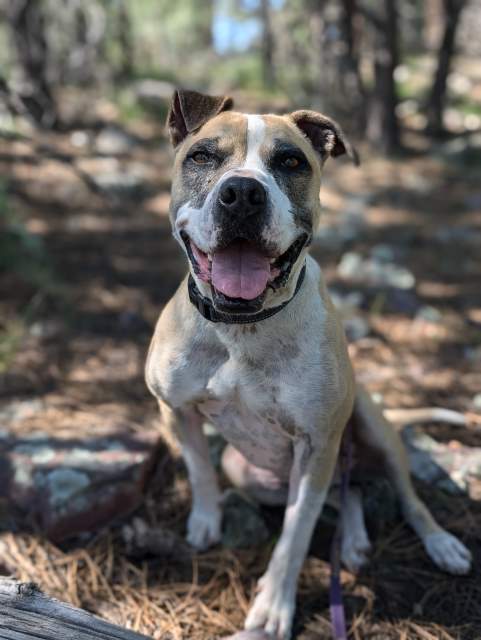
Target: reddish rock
[[66, 487]]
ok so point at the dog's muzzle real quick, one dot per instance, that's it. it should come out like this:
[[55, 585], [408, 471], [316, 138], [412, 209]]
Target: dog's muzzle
[[240, 209], [242, 265]]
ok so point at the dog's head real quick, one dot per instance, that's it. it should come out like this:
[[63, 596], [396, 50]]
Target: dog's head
[[245, 196]]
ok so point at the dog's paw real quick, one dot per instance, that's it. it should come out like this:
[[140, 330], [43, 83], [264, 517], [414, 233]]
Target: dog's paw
[[204, 526], [448, 552], [273, 610], [354, 550]]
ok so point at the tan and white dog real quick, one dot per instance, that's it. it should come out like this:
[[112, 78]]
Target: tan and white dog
[[252, 343]]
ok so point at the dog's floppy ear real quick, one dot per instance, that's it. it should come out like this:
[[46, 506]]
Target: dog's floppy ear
[[326, 135], [189, 110]]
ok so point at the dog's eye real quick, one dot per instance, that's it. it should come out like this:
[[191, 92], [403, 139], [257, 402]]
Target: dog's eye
[[291, 162], [201, 158]]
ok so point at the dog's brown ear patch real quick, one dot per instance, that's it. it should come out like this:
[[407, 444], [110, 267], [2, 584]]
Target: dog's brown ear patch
[[189, 110], [326, 135]]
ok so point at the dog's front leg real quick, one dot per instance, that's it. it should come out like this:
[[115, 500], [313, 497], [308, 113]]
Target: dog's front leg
[[204, 524], [310, 477]]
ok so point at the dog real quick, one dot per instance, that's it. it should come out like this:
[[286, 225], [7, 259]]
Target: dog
[[252, 343]]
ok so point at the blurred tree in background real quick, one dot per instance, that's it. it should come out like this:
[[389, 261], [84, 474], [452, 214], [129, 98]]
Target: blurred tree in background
[[380, 66]]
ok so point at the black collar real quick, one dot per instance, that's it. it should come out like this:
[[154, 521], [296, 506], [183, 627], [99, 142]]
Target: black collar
[[205, 307]]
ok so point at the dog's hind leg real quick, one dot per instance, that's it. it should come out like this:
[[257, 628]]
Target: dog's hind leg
[[204, 524], [262, 485], [445, 550], [355, 539]]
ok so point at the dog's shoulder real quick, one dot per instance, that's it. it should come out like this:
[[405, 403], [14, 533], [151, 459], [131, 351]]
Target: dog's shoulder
[[182, 351], [175, 327], [332, 337], [318, 298]]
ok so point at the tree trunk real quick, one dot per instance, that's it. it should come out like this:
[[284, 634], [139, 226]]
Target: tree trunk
[[350, 73], [126, 42], [438, 93], [204, 20], [267, 45], [27, 23], [320, 88], [383, 125]]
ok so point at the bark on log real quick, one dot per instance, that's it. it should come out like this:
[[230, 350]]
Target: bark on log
[[27, 614]]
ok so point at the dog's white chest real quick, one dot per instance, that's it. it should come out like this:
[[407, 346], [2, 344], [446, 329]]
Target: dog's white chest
[[248, 415]]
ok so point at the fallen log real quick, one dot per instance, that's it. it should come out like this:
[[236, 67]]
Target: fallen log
[[27, 614]]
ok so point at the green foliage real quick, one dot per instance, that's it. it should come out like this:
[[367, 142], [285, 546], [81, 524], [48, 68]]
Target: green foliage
[[168, 34], [240, 72]]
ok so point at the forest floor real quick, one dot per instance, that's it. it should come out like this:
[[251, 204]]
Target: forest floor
[[403, 234]]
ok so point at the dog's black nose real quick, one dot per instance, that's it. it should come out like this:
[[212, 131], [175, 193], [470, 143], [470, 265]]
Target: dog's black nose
[[242, 197]]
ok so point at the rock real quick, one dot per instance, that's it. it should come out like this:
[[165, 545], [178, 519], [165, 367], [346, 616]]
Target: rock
[[118, 180], [391, 275], [375, 270], [418, 183], [243, 524], [347, 303], [349, 224], [477, 401], [79, 139], [429, 314], [143, 540], [449, 466], [113, 140], [62, 485], [17, 410], [355, 326], [383, 253], [154, 93], [66, 487], [351, 263], [47, 329]]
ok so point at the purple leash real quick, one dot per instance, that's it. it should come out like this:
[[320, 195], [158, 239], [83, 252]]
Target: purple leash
[[336, 606]]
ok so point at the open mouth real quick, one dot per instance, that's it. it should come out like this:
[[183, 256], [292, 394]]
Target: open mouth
[[241, 273]]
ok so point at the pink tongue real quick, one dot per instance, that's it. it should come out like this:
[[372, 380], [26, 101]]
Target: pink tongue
[[240, 271]]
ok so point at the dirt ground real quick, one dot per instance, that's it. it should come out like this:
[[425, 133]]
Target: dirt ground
[[82, 362]]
